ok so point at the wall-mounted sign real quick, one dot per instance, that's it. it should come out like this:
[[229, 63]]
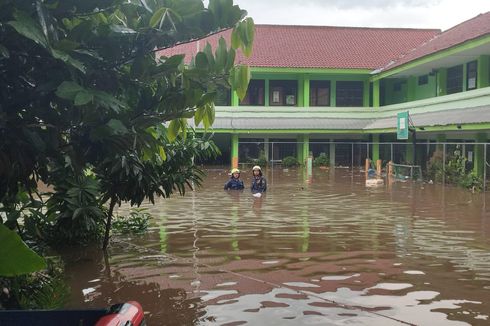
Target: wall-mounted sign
[[402, 125]]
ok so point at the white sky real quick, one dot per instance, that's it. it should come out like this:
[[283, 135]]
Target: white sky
[[440, 14]]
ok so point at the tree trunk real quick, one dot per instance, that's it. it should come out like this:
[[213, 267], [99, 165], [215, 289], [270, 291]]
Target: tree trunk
[[108, 224]]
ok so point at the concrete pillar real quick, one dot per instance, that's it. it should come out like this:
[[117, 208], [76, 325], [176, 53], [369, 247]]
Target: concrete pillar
[[479, 159], [482, 75], [299, 149], [441, 82], [375, 147], [234, 151], [376, 94], [465, 75], [409, 152], [332, 153], [234, 98], [306, 91], [301, 91], [411, 86], [306, 147]]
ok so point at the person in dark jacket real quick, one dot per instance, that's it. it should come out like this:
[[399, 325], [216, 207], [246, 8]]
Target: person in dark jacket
[[259, 183], [234, 183]]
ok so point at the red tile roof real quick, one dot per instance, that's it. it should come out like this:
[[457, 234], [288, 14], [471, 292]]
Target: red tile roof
[[320, 46], [459, 34]]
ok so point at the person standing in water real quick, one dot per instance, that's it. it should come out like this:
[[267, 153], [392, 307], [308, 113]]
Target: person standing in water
[[234, 183], [259, 183]]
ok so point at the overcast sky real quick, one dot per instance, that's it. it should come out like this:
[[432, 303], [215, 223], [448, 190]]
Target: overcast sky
[[440, 14]]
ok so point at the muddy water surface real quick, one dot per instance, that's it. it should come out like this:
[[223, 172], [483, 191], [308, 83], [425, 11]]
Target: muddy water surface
[[320, 250]]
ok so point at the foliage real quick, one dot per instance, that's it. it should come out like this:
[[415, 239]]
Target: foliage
[[321, 160], [289, 161], [261, 161], [74, 210], [86, 105], [456, 170], [136, 221], [15, 257], [40, 290]]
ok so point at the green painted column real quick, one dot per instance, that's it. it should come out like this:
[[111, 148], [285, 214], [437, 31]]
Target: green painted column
[[234, 98], [306, 91], [482, 74], [411, 87], [332, 153], [479, 159], [441, 81], [234, 150], [376, 94], [375, 147], [333, 93], [441, 138], [267, 92], [365, 96], [306, 147], [299, 149], [409, 152], [301, 91], [465, 74]]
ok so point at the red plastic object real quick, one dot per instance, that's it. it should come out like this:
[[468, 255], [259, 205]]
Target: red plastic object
[[125, 314]]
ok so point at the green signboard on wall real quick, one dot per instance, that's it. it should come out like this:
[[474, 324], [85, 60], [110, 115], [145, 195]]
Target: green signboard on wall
[[402, 125]]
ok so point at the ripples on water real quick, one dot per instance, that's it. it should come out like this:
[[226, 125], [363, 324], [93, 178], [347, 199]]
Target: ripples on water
[[323, 250]]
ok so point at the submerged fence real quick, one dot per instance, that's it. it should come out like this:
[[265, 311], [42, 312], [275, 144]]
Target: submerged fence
[[440, 162]]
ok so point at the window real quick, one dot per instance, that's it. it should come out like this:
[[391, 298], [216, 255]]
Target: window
[[455, 79], [423, 80], [283, 92], [255, 93], [319, 93], [471, 74], [349, 93], [397, 87]]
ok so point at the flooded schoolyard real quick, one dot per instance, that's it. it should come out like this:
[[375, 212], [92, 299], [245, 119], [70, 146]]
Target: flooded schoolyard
[[315, 250]]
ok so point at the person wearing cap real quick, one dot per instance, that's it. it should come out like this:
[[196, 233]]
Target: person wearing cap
[[259, 183], [234, 183]]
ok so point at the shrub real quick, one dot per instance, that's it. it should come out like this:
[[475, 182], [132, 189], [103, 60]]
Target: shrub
[[136, 221], [321, 160], [455, 171], [289, 161]]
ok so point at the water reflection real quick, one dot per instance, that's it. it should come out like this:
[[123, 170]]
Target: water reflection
[[320, 249]]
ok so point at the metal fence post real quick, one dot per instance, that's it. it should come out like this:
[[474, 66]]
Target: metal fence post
[[485, 167], [391, 152], [352, 156], [444, 163]]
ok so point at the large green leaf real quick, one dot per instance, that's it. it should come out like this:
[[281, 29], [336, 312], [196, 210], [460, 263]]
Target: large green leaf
[[4, 52], [240, 77], [68, 90], [27, 27], [15, 257]]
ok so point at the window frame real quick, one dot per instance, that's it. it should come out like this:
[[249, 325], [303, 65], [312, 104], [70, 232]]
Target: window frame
[[315, 86]]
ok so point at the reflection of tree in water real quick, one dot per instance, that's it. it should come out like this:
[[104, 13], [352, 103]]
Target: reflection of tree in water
[[169, 306]]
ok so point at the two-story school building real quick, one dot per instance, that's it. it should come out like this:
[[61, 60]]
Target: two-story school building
[[337, 84]]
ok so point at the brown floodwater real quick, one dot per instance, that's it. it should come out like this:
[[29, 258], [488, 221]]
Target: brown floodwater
[[319, 250]]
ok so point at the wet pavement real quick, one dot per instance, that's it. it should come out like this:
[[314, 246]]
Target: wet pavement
[[315, 250]]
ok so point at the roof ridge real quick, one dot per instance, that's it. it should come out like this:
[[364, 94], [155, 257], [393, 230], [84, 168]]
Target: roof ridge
[[466, 21], [394, 62], [349, 27]]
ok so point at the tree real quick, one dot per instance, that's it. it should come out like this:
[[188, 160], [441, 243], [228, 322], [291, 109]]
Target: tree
[[87, 107]]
